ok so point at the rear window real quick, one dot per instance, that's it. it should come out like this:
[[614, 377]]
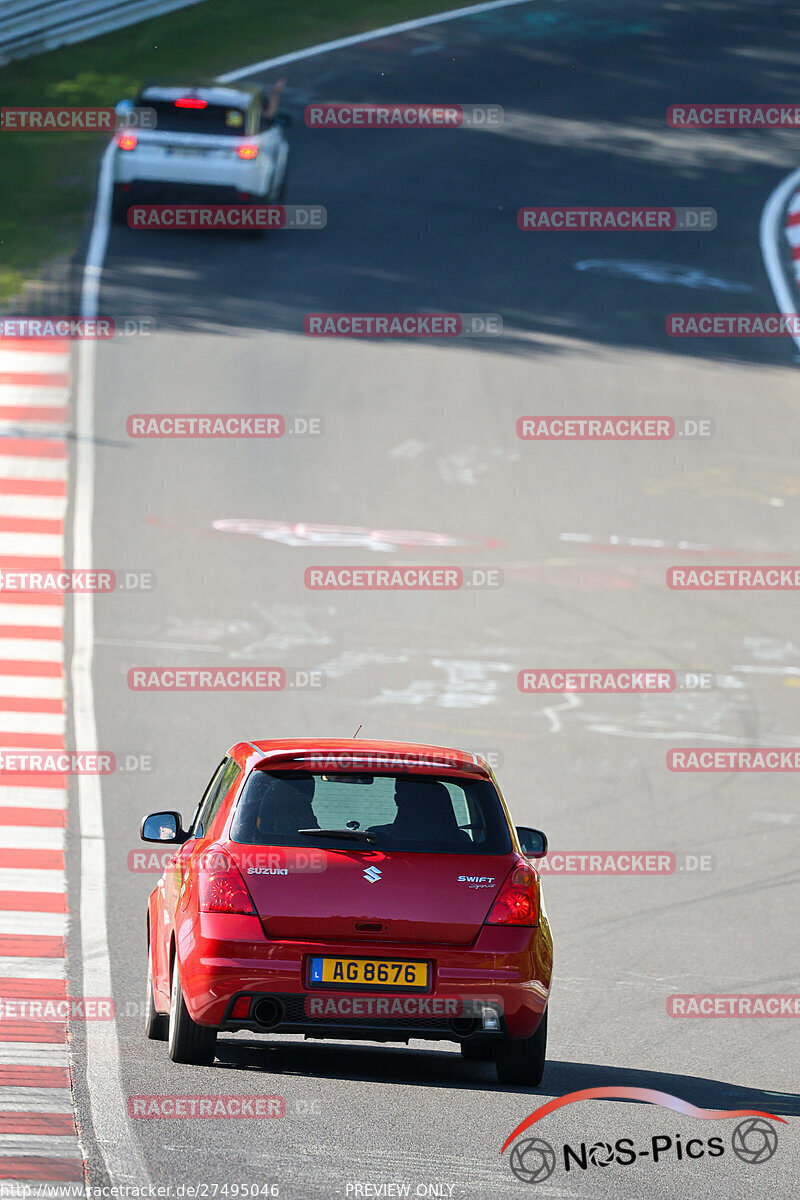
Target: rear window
[[416, 813], [211, 119]]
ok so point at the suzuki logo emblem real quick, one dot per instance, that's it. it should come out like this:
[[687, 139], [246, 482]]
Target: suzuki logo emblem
[[372, 874]]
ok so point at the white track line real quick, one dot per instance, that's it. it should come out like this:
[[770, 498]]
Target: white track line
[[371, 35], [770, 232], [118, 1146]]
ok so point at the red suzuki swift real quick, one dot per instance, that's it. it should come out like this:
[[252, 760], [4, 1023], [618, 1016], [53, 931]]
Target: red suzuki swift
[[350, 889]]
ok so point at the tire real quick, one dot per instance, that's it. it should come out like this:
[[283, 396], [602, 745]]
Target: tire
[[521, 1060], [156, 1024], [284, 184], [188, 1042], [477, 1051]]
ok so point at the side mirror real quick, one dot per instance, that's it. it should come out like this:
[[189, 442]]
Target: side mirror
[[122, 107], [532, 841], [162, 827]]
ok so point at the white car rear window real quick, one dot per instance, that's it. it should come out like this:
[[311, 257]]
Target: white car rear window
[[213, 119]]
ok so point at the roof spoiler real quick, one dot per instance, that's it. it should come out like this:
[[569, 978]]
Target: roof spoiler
[[375, 762]]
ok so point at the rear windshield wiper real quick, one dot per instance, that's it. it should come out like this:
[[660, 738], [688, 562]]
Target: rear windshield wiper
[[356, 835]]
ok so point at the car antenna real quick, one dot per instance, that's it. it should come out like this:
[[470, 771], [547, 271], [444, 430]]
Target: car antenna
[[358, 731]]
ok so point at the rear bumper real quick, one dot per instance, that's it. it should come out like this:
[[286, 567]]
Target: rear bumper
[[223, 957], [139, 169], [294, 1013]]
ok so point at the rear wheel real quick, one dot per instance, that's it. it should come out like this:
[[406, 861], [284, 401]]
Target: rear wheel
[[188, 1041], [521, 1060], [156, 1024]]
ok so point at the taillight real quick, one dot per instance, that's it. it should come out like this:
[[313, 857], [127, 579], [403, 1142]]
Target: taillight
[[191, 102], [127, 141], [221, 887], [518, 902], [248, 151]]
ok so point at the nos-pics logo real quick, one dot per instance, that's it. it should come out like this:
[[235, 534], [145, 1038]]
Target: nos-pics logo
[[754, 1140]]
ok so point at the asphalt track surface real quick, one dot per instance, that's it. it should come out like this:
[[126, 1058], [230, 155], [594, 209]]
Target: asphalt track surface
[[422, 437]]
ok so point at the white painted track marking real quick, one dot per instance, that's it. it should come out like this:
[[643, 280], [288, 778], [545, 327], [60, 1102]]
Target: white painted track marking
[[115, 1140], [769, 233], [371, 35]]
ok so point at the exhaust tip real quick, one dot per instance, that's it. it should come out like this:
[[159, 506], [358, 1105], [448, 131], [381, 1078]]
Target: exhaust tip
[[464, 1026], [268, 1012]]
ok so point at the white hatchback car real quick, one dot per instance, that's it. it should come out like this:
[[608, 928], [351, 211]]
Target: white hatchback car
[[209, 142]]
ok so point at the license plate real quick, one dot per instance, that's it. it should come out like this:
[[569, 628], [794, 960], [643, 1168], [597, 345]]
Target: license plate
[[186, 151], [386, 973]]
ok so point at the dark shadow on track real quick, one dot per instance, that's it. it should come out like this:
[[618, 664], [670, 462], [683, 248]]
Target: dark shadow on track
[[446, 1069]]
